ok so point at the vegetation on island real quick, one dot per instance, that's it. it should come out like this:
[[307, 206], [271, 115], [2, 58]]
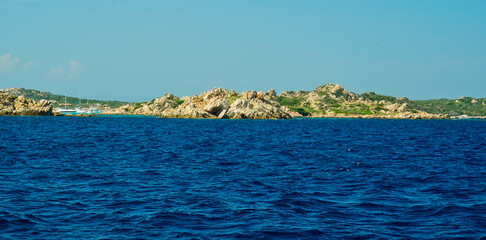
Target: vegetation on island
[[333, 99], [58, 100], [463, 106], [330, 100]]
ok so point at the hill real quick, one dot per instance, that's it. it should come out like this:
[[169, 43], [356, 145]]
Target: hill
[[325, 100], [454, 107], [58, 100]]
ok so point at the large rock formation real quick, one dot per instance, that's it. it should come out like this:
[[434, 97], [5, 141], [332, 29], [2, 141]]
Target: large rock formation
[[12, 105], [219, 103]]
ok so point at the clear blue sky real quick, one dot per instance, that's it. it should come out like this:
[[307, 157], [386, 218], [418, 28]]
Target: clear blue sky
[[140, 50]]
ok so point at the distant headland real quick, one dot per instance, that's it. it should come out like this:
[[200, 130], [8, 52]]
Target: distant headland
[[327, 101]]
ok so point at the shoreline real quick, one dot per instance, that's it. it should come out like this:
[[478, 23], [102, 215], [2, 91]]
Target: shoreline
[[326, 101], [292, 118]]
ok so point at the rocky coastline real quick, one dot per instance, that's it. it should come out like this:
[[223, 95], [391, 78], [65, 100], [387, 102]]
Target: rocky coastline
[[216, 103], [326, 101], [13, 105]]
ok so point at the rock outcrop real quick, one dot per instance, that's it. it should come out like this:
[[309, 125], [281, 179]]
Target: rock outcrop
[[219, 103], [152, 108], [12, 105]]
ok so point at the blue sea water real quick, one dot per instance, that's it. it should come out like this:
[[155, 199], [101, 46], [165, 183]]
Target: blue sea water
[[150, 178]]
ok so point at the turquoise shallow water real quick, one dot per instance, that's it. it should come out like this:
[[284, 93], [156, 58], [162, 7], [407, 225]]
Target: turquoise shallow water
[[149, 178]]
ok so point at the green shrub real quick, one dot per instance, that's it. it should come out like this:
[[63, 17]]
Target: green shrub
[[339, 93], [231, 99], [338, 110], [302, 111], [379, 108], [293, 102], [353, 111], [330, 102], [377, 97], [137, 106]]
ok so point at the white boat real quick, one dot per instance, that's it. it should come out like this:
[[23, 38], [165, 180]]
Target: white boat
[[77, 111], [65, 111]]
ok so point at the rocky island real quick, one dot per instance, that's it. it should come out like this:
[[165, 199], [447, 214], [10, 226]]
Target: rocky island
[[326, 101]]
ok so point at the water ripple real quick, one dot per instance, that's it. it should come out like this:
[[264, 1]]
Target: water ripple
[[148, 178]]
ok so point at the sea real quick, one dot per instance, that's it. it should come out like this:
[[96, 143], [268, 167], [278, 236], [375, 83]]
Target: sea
[[152, 178]]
